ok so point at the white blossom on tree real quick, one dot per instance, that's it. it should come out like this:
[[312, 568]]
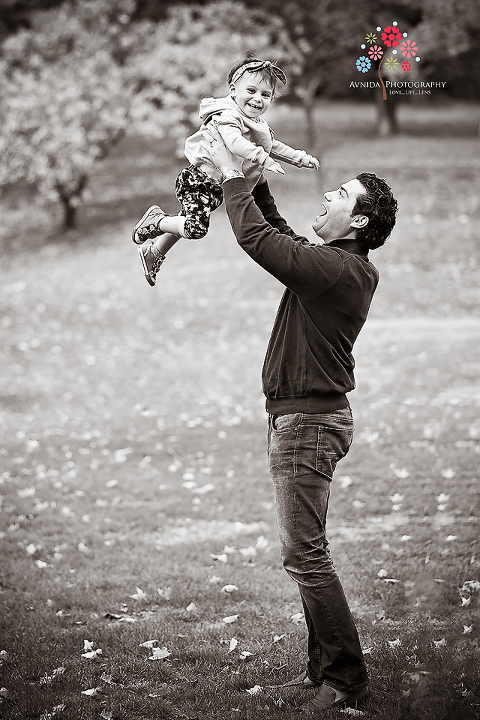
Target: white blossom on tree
[[68, 88]]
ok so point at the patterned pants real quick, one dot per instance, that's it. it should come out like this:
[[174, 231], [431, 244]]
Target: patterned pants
[[198, 195]]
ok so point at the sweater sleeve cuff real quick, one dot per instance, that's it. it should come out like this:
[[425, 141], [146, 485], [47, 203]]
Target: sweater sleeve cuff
[[234, 186]]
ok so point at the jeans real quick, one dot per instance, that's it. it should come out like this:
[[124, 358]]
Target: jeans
[[303, 450]]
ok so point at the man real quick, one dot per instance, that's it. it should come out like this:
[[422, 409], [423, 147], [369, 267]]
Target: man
[[307, 372]]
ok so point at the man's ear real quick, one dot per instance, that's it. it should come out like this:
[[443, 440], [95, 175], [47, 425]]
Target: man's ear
[[359, 221], [232, 91]]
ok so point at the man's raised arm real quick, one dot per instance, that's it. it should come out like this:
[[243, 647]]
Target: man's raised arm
[[266, 203]]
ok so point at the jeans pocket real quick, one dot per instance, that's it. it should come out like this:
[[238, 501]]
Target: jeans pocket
[[332, 446], [284, 423]]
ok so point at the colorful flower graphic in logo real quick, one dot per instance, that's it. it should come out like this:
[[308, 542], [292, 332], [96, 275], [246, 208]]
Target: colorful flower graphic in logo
[[392, 63], [363, 64], [408, 48], [375, 52], [391, 37]]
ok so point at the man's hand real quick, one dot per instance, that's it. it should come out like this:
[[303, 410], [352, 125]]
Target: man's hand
[[219, 154], [273, 166]]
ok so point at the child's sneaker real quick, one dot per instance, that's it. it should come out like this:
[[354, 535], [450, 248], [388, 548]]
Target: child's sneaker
[[152, 260], [147, 227]]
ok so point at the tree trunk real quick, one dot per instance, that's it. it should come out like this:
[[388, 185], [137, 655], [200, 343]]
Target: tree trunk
[[70, 199], [70, 214], [387, 123]]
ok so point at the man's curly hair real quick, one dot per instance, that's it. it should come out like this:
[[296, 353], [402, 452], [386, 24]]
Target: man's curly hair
[[378, 204]]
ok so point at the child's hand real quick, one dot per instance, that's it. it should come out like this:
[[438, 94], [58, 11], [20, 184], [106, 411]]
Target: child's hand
[[308, 161], [274, 167]]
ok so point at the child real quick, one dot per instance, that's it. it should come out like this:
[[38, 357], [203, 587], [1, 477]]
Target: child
[[237, 118]]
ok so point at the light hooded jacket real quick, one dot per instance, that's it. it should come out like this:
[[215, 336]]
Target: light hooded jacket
[[249, 138]]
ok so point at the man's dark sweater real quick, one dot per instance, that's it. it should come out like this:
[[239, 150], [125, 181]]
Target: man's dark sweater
[[309, 364]]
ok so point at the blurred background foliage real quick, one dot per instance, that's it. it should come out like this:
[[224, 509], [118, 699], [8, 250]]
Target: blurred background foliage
[[76, 77]]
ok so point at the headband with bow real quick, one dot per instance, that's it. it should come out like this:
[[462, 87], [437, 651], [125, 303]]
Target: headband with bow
[[256, 66]]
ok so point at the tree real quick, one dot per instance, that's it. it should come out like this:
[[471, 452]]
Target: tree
[[311, 38], [68, 95], [318, 37]]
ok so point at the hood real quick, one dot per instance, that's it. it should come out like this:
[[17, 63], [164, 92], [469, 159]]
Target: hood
[[215, 105]]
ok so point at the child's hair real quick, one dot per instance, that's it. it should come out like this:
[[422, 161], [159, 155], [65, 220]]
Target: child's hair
[[270, 74]]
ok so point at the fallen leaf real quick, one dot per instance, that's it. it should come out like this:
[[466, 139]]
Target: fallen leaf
[[148, 643], [233, 644], [26, 492], [394, 643], [245, 654], [440, 643], [255, 690], [92, 654], [248, 551], [448, 473], [139, 595], [297, 618], [221, 558], [228, 589], [230, 619], [358, 504], [204, 489], [160, 654], [471, 585], [165, 593], [442, 498], [277, 638], [92, 691], [189, 485], [262, 543]]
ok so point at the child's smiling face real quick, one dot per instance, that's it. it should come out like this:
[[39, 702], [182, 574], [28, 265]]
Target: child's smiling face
[[252, 94]]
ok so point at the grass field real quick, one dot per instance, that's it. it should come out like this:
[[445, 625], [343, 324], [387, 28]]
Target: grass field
[[136, 503]]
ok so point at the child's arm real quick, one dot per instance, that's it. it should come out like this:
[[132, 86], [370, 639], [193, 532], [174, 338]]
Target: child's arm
[[300, 158], [231, 133]]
